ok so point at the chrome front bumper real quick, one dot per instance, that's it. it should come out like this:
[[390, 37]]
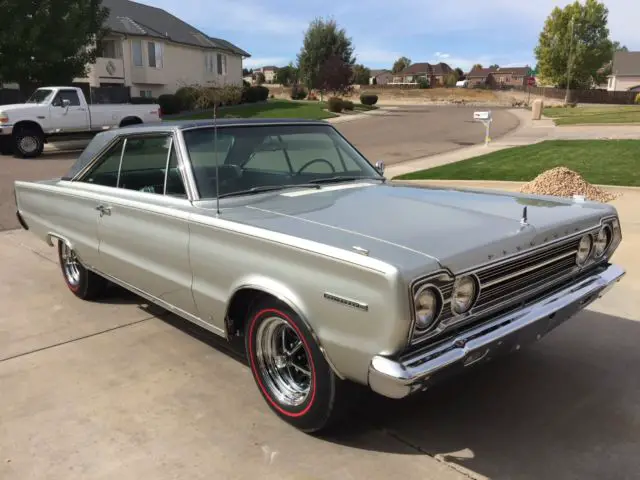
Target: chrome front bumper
[[400, 378]]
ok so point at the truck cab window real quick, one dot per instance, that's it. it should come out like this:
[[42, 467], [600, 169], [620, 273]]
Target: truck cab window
[[70, 95]]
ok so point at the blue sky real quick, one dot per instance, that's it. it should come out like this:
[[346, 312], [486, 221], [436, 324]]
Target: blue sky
[[459, 32]]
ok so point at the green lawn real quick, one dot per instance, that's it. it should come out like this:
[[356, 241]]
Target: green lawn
[[271, 109], [609, 162], [587, 115]]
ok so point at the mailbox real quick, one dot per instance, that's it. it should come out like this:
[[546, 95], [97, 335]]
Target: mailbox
[[482, 116]]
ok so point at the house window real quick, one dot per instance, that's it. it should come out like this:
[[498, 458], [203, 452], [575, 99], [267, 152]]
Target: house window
[[146, 93], [209, 62], [222, 64], [111, 49], [155, 51], [136, 48]]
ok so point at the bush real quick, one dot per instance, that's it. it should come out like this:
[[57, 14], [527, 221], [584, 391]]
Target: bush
[[169, 104], [348, 105], [253, 94], [423, 83], [368, 99], [335, 104], [637, 100], [186, 98], [143, 100], [298, 93]]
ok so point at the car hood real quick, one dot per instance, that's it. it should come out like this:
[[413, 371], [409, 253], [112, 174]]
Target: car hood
[[457, 228], [19, 106]]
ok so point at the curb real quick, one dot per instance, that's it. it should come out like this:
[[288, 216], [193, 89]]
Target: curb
[[506, 183]]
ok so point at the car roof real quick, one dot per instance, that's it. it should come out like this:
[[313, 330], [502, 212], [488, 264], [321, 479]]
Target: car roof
[[169, 124]]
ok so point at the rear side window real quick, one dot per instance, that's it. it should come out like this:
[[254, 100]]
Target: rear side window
[[106, 172]]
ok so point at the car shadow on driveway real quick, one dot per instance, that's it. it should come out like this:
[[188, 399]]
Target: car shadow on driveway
[[567, 407]]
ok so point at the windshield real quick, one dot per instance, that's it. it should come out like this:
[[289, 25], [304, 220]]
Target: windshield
[[40, 96], [252, 157]]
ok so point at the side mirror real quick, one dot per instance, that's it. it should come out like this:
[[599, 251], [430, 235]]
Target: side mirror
[[380, 167], [66, 103]]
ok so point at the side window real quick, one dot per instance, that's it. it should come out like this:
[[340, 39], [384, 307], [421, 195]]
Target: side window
[[174, 184], [106, 172], [144, 162], [70, 95]]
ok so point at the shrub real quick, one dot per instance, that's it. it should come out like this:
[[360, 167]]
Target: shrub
[[335, 104], [423, 83], [262, 93], [368, 99], [312, 96], [298, 93], [253, 94], [186, 98], [169, 104], [637, 100], [348, 105]]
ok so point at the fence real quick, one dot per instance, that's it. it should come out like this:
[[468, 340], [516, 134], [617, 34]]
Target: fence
[[583, 96]]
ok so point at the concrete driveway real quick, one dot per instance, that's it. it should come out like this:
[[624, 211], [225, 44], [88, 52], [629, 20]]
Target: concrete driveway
[[120, 390]]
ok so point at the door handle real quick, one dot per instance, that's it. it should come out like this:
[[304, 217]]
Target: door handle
[[103, 210]]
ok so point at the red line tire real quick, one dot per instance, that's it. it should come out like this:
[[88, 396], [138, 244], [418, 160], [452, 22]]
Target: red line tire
[[83, 283], [301, 388]]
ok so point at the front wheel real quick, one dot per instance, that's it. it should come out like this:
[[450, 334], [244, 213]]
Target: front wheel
[[291, 373], [28, 142]]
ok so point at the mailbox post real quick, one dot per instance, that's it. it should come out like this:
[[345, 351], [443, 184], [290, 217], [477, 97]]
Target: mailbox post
[[486, 119]]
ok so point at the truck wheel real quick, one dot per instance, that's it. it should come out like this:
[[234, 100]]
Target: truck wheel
[[291, 373], [82, 283], [28, 142]]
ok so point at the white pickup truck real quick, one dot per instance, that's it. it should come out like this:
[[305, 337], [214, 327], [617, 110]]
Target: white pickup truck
[[62, 113]]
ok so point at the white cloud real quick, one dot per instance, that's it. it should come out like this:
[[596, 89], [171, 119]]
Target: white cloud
[[375, 56], [442, 56], [264, 61]]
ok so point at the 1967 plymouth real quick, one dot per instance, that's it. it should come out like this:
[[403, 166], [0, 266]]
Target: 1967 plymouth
[[280, 231]]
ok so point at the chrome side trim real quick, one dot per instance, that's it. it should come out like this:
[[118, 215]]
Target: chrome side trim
[[297, 311], [398, 378], [161, 303]]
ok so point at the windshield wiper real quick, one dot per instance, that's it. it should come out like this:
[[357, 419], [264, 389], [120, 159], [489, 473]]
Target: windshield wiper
[[344, 179], [268, 188]]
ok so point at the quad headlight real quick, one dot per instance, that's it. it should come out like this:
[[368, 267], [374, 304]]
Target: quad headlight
[[602, 241], [464, 295], [584, 249], [427, 303]]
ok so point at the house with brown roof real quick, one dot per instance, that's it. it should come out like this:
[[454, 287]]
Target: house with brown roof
[[380, 77], [269, 73], [500, 77], [434, 74], [625, 72]]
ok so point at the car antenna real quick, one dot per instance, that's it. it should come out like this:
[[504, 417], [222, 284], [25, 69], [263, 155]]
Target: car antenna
[[215, 156]]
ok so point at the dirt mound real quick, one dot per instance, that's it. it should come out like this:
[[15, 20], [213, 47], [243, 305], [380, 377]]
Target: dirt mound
[[562, 182]]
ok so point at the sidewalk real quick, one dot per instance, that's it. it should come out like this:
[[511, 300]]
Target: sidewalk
[[527, 133], [359, 116]]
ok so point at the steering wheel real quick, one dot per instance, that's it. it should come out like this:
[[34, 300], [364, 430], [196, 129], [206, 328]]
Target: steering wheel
[[316, 160]]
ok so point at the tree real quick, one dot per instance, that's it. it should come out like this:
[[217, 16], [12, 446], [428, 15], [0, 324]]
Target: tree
[[451, 78], [334, 76], [574, 45], [247, 71], [460, 73], [361, 75], [49, 41], [494, 66], [287, 75], [477, 66], [400, 64], [323, 40], [260, 78]]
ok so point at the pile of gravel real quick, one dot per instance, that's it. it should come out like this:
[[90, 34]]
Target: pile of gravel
[[562, 182]]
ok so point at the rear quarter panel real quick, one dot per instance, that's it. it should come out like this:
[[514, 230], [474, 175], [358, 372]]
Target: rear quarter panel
[[223, 261]]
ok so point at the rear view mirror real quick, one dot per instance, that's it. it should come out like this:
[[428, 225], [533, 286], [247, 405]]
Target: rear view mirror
[[66, 103], [380, 167]]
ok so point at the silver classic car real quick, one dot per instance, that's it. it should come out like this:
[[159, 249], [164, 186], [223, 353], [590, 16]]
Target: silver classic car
[[281, 232]]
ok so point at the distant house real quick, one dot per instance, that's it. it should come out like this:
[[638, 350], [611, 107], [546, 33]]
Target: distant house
[[269, 73], [380, 77], [434, 74], [501, 77], [625, 72]]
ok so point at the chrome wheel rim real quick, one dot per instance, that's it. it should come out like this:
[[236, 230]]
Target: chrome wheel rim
[[28, 144], [283, 362], [70, 265]]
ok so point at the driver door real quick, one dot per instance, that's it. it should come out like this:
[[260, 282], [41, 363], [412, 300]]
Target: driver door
[[71, 118]]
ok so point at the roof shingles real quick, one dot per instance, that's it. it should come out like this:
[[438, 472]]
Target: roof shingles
[[132, 18]]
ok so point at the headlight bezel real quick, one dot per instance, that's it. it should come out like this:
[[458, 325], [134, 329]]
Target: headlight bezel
[[582, 263], [608, 241]]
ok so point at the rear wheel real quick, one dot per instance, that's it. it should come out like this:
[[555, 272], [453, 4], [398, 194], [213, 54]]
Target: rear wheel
[[83, 283], [28, 142], [291, 373]]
